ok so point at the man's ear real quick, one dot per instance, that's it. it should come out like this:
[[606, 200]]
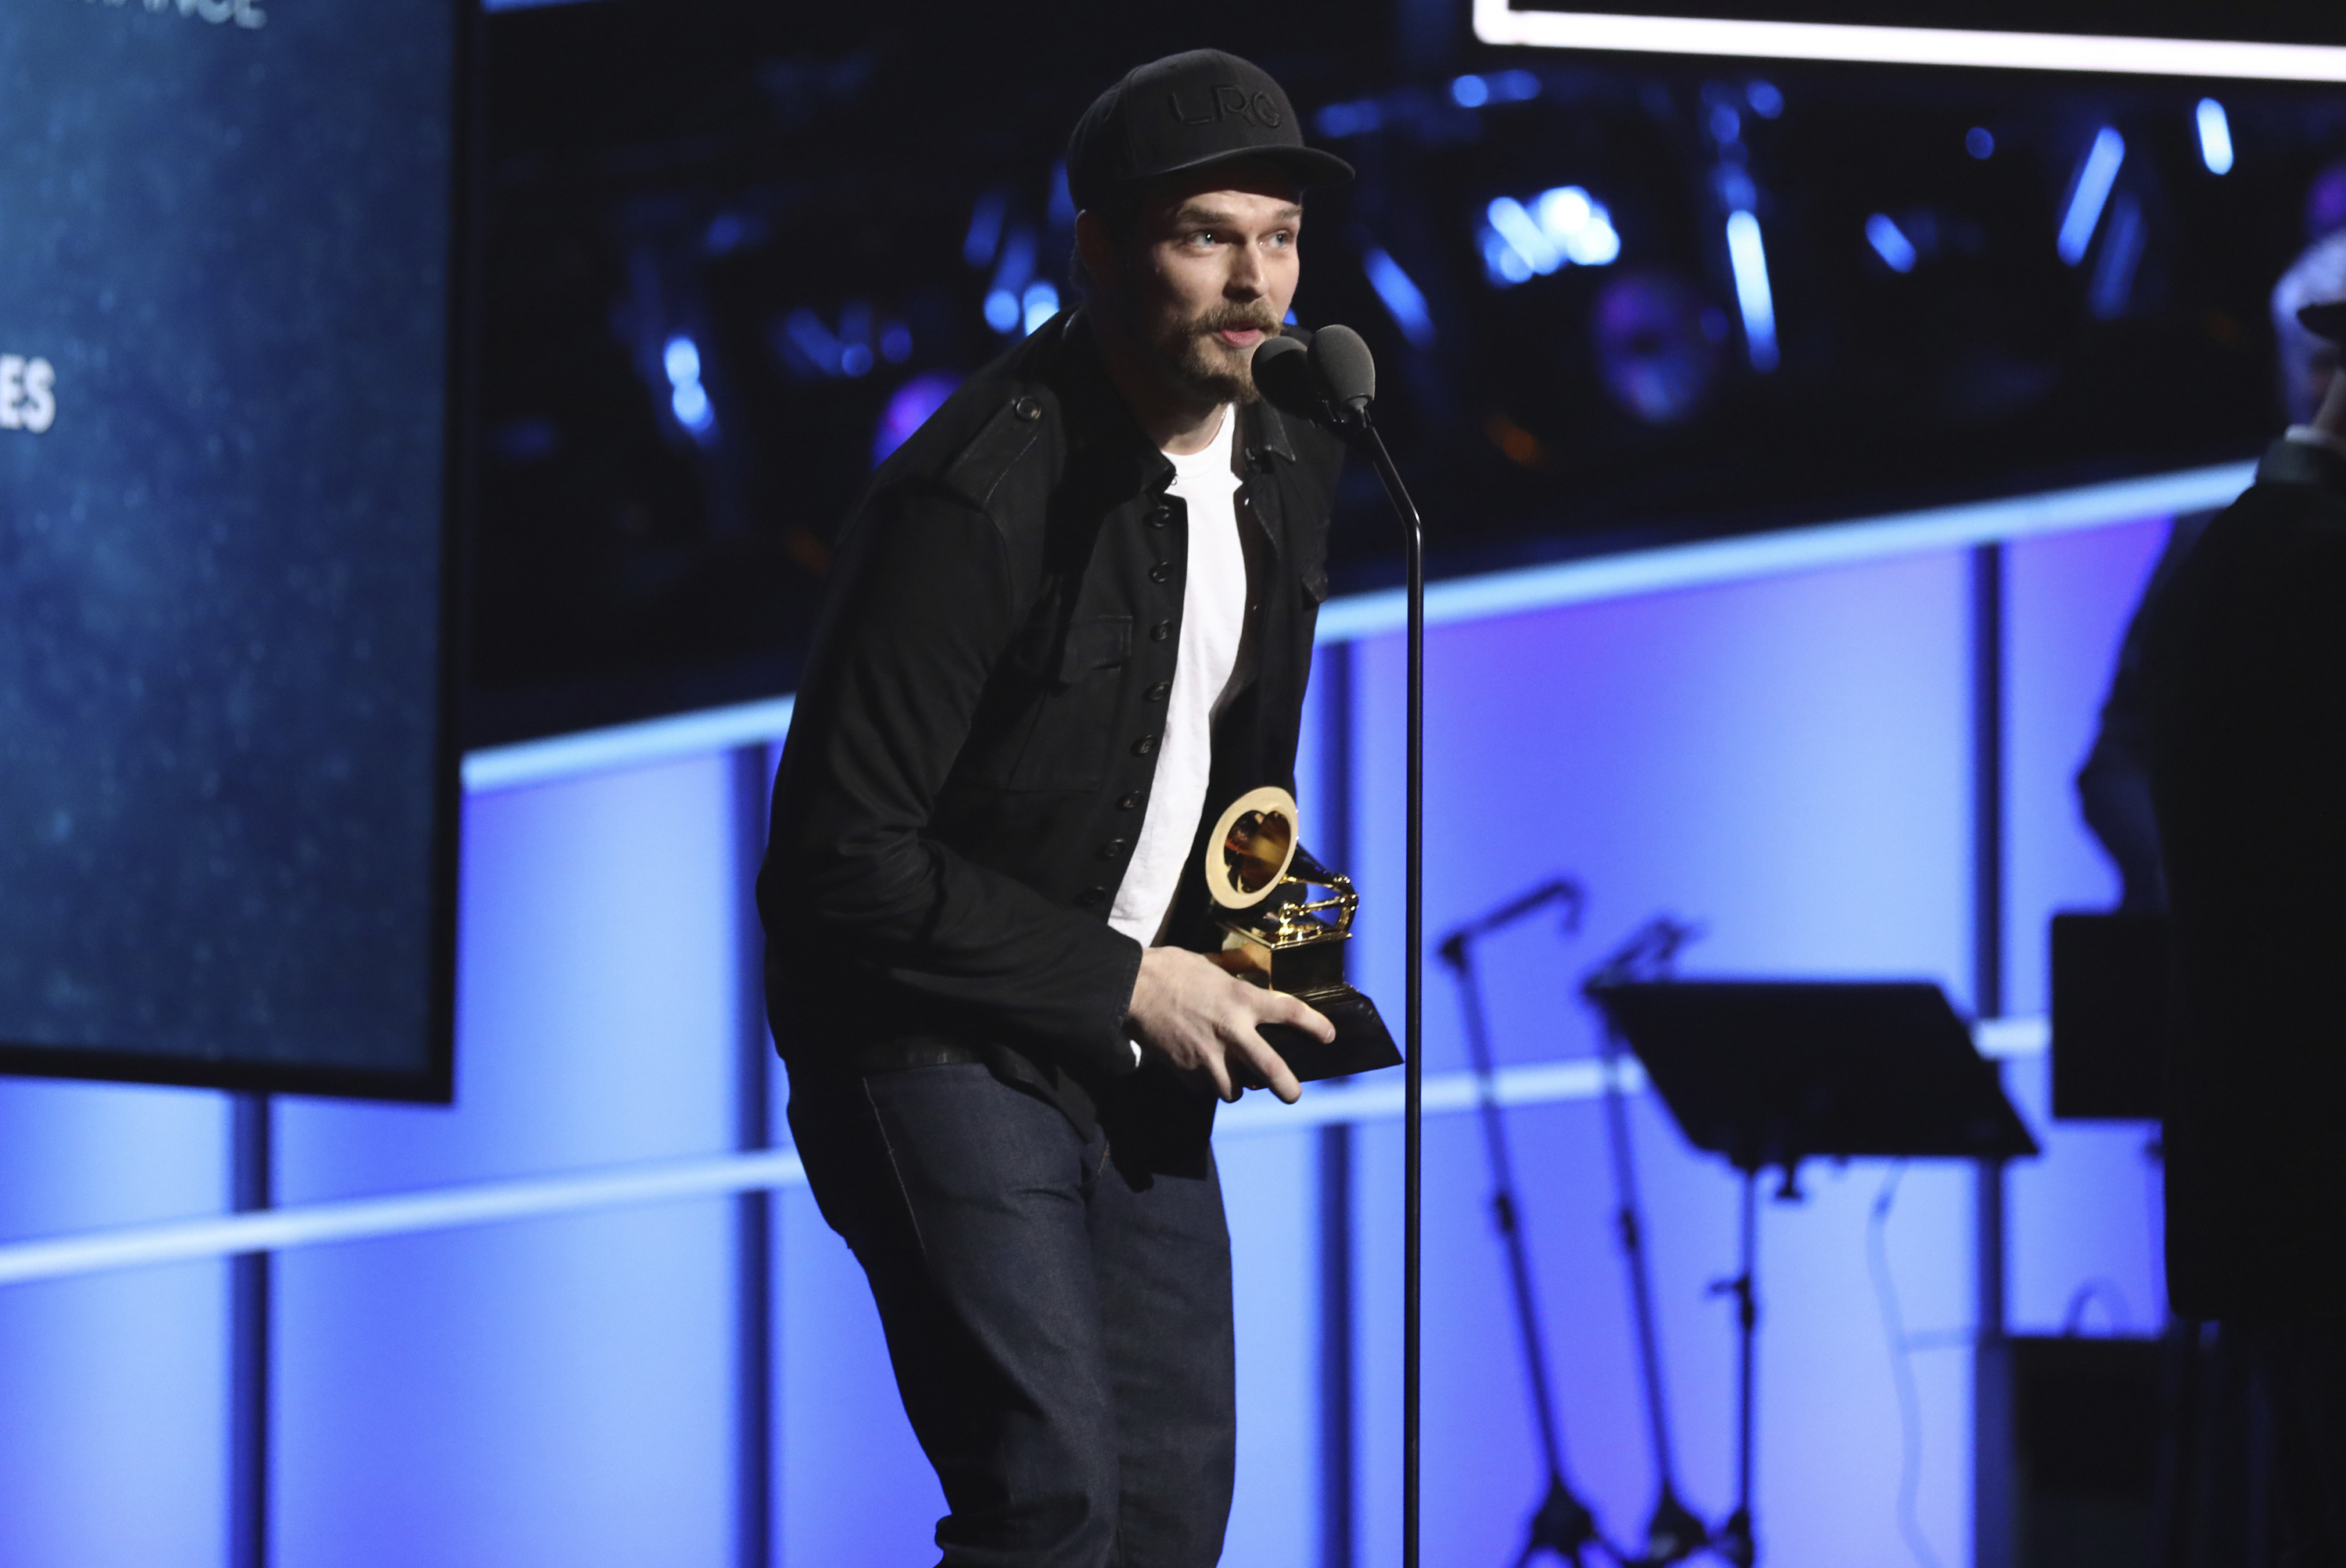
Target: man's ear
[[1098, 249]]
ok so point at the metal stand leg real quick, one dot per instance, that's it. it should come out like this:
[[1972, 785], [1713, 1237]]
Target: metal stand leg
[[1735, 1542]]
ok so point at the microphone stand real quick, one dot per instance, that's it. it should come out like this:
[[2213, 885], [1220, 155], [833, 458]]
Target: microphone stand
[[1413, 1007], [1562, 1523]]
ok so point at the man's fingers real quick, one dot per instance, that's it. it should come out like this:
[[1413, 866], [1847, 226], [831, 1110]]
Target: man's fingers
[[1277, 1076], [1286, 1009]]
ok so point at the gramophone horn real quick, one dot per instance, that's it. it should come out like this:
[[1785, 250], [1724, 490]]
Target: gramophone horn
[[1251, 847]]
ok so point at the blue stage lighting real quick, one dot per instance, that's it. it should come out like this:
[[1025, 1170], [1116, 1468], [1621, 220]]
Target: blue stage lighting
[[1039, 305], [1402, 297], [1766, 101], [908, 409], [2113, 283], [1002, 311], [1890, 242], [2088, 191], [895, 342], [1520, 230], [1980, 142], [1470, 92], [681, 359], [1748, 259], [984, 234], [2215, 137]]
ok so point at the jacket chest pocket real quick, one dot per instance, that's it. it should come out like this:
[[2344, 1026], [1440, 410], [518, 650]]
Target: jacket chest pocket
[[1076, 698]]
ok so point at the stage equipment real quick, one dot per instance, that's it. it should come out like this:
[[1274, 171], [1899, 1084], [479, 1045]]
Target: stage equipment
[[2109, 1016], [1293, 942], [1767, 1072], [1562, 1523], [1673, 1533], [1335, 384]]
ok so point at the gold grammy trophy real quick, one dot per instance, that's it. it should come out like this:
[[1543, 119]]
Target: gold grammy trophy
[[1292, 936]]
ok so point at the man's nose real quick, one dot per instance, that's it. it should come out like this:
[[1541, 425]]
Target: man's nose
[[1247, 275]]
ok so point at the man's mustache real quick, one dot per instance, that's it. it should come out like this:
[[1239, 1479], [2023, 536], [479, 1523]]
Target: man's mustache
[[1234, 321]]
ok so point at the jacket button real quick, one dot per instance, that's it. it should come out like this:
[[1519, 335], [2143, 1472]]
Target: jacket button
[[1131, 802], [1026, 407], [1160, 572], [1092, 898], [1145, 747], [1161, 631], [1112, 849], [1161, 517], [1160, 691]]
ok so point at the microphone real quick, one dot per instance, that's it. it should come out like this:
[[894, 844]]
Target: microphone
[[1282, 373], [1330, 380], [1347, 372]]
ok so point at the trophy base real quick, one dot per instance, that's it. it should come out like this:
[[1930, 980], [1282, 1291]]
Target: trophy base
[[1362, 1044]]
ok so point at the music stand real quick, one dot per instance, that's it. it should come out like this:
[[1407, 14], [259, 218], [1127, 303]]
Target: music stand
[[1772, 1073]]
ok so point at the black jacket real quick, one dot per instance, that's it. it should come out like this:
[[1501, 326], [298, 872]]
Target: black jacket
[[973, 744], [2246, 675]]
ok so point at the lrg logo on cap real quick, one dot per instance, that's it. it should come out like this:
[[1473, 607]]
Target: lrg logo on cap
[[1229, 98]]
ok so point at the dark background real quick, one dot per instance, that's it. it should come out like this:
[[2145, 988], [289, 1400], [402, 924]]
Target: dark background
[[729, 173], [226, 840]]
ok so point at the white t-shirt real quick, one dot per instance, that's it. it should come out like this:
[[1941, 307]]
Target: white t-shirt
[[1215, 662]]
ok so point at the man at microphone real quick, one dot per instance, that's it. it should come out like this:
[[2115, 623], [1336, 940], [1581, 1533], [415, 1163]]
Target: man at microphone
[[1070, 620]]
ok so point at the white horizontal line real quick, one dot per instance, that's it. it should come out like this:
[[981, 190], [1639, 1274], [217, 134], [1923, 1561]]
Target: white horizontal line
[[717, 1175], [1624, 576], [1495, 22], [1821, 547], [638, 744]]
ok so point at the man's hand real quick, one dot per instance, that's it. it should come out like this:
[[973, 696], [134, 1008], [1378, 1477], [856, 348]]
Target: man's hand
[[1201, 1018]]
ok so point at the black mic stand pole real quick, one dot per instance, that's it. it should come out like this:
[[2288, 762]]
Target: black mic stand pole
[[1413, 1007]]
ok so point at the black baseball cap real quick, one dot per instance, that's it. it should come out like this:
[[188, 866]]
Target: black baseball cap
[[1187, 112], [2326, 319]]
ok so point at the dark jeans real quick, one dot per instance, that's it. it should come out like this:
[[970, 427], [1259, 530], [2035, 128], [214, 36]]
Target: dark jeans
[[1059, 1319]]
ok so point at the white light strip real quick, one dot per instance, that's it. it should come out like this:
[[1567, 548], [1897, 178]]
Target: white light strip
[[1496, 23], [2095, 175], [1748, 259], [640, 745], [671, 1181], [1821, 548], [1357, 615]]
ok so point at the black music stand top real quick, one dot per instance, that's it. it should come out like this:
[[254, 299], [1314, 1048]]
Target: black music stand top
[[1772, 1073]]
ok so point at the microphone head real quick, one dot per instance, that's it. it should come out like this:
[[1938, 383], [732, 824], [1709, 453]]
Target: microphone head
[[1347, 370], [1282, 373]]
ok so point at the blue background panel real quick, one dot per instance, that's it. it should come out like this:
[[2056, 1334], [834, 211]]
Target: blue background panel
[[1787, 760]]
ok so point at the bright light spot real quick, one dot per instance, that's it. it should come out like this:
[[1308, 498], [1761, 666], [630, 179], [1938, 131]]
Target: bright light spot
[[855, 359], [682, 360], [2215, 138], [1002, 311], [1471, 92], [2091, 188], [691, 406], [1597, 244], [1566, 212], [1502, 261], [1748, 259], [1726, 124], [1890, 243], [1979, 141], [1041, 303], [1765, 100], [896, 343], [1531, 241], [1402, 297]]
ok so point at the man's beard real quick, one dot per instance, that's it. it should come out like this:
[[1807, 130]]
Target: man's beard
[[1201, 364]]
